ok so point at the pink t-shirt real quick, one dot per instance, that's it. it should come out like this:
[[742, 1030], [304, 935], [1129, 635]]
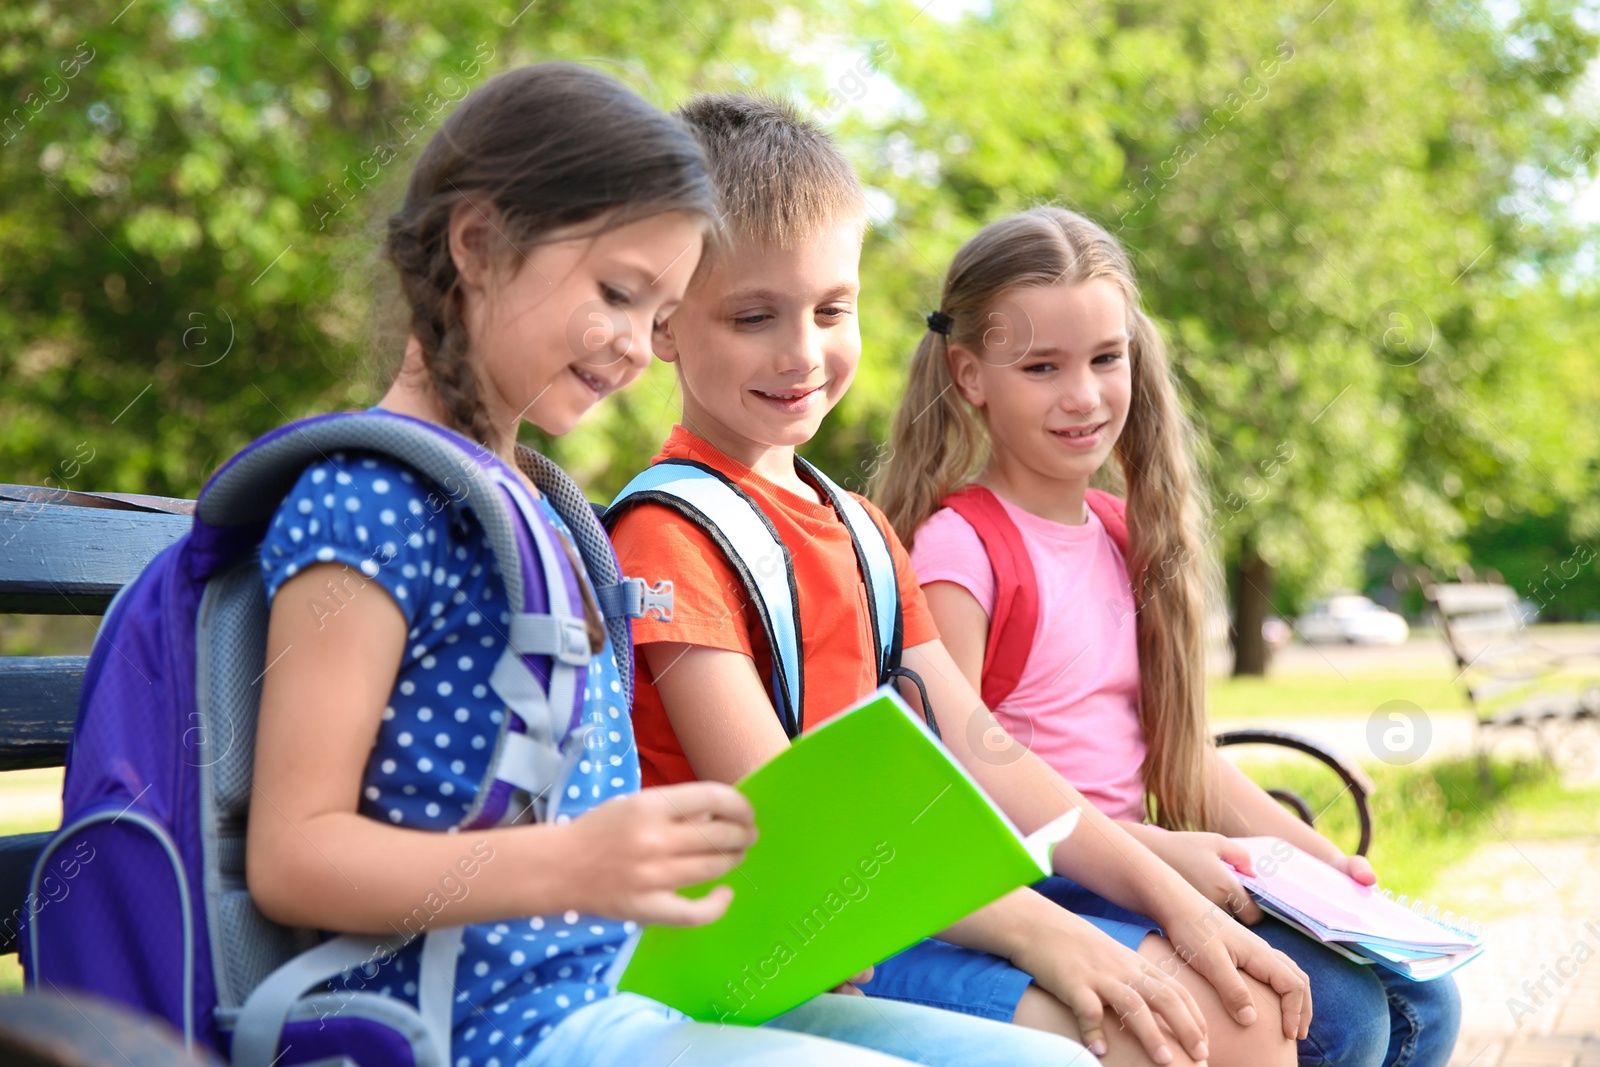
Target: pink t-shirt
[[1076, 704]]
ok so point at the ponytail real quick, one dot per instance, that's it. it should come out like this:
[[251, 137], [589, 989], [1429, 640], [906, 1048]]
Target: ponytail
[[936, 445]]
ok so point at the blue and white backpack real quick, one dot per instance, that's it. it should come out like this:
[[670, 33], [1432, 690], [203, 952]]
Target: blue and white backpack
[[735, 522], [158, 779]]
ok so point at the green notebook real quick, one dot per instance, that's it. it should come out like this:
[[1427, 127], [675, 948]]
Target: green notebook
[[872, 837]]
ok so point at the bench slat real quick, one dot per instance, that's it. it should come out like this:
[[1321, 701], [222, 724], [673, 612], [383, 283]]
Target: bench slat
[[38, 494], [60, 560], [38, 701]]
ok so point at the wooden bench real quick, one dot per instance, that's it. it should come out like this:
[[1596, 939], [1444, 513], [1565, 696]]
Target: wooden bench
[[1510, 681], [61, 553]]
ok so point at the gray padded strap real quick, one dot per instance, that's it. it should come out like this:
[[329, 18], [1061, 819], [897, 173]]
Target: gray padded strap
[[563, 673], [532, 764], [751, 544], [566, 638], [250, 486], [259, 1031], [436, 985], [875, 559], [593, 544], [260, 1025]]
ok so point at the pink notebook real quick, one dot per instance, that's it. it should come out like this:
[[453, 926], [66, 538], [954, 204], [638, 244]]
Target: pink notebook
[[1335, 908]]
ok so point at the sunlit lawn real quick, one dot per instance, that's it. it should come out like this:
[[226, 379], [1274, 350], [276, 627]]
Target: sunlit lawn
[[1308, 693], [1425, 817], [30, 801]]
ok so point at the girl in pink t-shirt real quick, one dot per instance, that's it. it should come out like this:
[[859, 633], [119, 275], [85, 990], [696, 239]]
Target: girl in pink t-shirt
[[1038, 367], [1077, 709]]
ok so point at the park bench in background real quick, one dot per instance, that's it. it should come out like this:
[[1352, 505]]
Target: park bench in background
[[1510, 681], [67, 552], [1357, 786]]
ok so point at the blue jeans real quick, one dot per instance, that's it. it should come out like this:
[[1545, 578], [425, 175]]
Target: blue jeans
[[627, 1030], [1365, 1016], [937, 974], [1361, 1016]]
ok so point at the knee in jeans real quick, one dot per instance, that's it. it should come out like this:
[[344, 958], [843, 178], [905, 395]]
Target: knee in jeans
[[1349, 1020], [1436, 1004], [1427, 1019]]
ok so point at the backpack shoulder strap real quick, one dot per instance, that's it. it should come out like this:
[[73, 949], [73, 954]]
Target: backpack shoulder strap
[[239, 500], [876, 561], [621, 599], [1015, 621], [749, 541], [1113, 514]]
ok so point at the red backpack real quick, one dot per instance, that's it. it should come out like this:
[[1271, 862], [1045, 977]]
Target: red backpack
[[1015, 620]]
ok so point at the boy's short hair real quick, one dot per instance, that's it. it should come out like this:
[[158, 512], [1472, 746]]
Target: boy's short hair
[[780, 177]]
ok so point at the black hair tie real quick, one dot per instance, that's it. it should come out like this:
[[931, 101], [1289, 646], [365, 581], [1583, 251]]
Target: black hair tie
[[939, 322]]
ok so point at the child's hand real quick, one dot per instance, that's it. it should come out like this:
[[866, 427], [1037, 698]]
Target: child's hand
[[1356, 868], [849, 988], [1087, 971], [1219, 948], [635, 851], [1209, 862]]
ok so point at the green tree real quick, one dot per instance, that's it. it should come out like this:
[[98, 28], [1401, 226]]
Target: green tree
[[190, 195], [1332, 212], [1345, 215]]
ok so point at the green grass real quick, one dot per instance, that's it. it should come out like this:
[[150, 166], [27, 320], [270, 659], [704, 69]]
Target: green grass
[[1427, 817], [1306, 693], [30, 801]]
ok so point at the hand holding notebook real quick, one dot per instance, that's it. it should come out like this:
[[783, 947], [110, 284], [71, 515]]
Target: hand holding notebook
[[1363, 922]]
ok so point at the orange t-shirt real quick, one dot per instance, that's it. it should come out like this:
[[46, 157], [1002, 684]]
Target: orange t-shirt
[[710, 609]]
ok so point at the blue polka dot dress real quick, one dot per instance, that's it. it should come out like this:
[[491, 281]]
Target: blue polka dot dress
[[516, 979]]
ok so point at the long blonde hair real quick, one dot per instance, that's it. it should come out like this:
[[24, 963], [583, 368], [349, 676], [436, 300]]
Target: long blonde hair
[[940, 442]]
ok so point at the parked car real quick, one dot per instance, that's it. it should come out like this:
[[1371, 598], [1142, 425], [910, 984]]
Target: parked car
[[1352, 619]]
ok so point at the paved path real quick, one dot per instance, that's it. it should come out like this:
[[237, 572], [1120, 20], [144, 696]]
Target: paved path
[[1532, 1000]]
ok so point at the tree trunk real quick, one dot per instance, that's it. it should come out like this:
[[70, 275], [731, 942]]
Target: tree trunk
[[1252, 602]]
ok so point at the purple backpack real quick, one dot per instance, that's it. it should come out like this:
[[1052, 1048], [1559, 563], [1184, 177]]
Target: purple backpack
[[158, 782]]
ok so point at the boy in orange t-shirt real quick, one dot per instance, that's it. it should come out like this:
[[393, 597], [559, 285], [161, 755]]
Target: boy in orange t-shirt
[[711, 609], [765, 343]]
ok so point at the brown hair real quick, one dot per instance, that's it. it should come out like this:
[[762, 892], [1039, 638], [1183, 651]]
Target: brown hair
[[939, 443], [550, 145], [779, 177]]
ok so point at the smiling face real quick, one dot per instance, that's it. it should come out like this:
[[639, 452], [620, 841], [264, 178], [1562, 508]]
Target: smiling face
[[570, 320], [1054, 382], [767, 341]]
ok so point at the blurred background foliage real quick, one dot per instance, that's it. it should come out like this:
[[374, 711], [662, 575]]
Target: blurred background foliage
[[1361, 224]]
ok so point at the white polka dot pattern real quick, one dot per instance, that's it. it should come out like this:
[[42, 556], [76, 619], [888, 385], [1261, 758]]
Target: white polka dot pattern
[[439, 727]]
